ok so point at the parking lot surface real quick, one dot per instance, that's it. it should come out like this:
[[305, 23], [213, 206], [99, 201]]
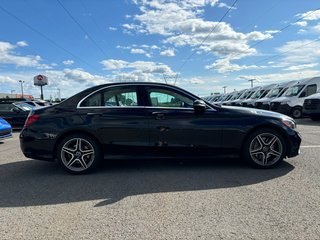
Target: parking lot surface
[[222, 199]]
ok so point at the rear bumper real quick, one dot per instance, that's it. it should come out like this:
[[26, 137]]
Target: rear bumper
[[38, 148]]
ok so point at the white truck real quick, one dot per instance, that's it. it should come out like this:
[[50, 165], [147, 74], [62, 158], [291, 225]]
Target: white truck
[[291, 102]]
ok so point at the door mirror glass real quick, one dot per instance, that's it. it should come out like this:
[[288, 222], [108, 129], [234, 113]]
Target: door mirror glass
[[199, 106]]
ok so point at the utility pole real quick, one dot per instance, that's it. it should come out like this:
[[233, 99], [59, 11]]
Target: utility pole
[[21, 82], [251, 80], [224, 89]]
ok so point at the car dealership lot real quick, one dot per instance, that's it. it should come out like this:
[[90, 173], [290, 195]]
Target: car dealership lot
[[221, 199]]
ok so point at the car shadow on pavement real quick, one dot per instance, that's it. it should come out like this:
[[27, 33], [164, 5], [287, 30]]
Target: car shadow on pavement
[[35, 183]]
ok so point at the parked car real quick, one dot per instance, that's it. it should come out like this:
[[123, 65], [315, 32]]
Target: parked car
[[292, 100], [153, 120], [15, 113], [311, 106], [5, 129], [277, 91]]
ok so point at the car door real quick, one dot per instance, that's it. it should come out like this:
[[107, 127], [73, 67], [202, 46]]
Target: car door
[[176, 129], [116, 116]]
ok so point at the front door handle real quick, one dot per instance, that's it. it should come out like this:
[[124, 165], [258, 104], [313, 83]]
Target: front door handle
[[94, 114], [159, 115]]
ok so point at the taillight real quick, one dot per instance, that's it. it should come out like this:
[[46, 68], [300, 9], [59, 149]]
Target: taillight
[[31, 119]]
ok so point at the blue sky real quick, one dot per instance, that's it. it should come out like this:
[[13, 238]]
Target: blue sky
[[81, 43]]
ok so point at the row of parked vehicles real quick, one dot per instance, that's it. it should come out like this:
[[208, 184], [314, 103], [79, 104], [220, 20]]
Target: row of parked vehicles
[[16, 110], [293, 98]]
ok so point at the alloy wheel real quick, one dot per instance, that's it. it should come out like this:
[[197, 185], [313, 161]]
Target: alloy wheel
[[266, 149], [77, 154]]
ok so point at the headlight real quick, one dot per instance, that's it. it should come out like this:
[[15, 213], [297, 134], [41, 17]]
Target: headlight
[[289, 123], [285, 102]]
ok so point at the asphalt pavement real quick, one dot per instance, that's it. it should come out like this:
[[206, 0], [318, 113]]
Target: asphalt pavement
[[222, 199]]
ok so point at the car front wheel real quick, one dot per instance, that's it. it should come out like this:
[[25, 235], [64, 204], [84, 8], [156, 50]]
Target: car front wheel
[[264, 148], [78, 153]]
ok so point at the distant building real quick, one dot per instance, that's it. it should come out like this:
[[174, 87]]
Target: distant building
[[13, 95]]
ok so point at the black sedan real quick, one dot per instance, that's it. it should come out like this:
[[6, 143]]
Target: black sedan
[[15, 113], [150, 120]]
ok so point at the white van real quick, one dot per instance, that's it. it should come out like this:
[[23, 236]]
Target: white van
[[260, 93], [311, 106], [277, 91], [292, 100]]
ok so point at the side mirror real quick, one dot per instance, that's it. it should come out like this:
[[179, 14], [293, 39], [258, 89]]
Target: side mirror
[[16, 110], [199, 106]]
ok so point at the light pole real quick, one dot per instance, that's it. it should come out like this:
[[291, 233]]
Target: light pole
[[224, 89], [21, 82], [12, 91], [59, 95], [249, 80]]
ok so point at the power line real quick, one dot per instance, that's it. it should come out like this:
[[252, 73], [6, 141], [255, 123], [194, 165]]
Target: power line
[[291, 49], [82, 28], [277, 32], [205, 39], [284, 28], [44, 36]]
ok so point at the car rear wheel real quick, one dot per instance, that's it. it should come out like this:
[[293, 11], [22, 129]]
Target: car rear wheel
[[264, 148], [78, 154]]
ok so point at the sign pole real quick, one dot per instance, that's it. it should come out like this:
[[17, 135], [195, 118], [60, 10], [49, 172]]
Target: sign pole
[[41, 96]]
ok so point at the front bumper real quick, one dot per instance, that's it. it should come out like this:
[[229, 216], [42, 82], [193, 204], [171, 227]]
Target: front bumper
[[293, 144], [281, 108], [4, 134]]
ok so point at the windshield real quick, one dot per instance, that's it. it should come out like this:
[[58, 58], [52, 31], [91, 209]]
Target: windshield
[[23, 106], [257, 94], [293, 91], [274, 92]]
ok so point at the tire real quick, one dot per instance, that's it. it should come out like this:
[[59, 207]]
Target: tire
[[296, 112], [79, 154], [264, 148]]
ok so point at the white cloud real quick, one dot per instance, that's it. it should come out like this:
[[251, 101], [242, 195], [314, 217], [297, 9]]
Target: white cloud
[[7, 56], [22, 44], [168, 52], [281, 77], [112, 28], [224, 66], [80, 76], [196, 80], [113, 64], [181, 23], [301, 67], [137, 51], [68, 62], [224, 5], [310, 16], [299, 52], [301, 23]]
